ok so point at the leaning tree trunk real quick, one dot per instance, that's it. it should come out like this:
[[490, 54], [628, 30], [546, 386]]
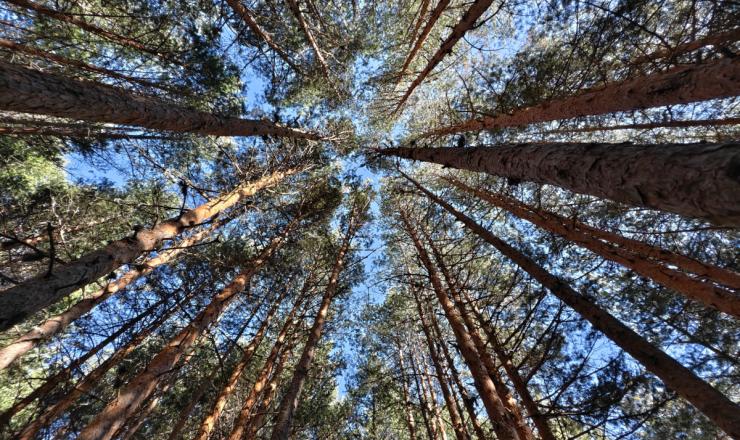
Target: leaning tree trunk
[[31, 91], [433, 406], [718, 39], [56, 324], [289, 403], [436, 13], [423, 404], [133, 394], [648, 126], [713, 404], [238, 430], [455, 419], [91, 380], [635, 255], [33, 295], [681, 85], [296, 10], [693, 180], [209, 422], [407, 405], [466, 23], [503, 422]]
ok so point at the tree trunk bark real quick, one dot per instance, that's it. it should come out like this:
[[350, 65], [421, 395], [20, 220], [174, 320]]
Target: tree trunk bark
[[455, 419], [242, 419], [133, 394], [713, 404], [633, 254], [436, 13], [209, 422], [31, 91], [434, 407], [466, 23], [35, 294], [650, 125], [423, 404], [246, 16], [693, 180], [56, 324], [718, 39], [91, 380], [296, 10], [289, 403], [501, 419], [407, 405], [680, 85]]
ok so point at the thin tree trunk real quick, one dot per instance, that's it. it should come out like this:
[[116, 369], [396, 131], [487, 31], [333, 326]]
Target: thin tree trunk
[[34, 295], [67, 372], [242, 419], [209, 422], [466, 398], [441, 428], [289, 403], [31, 91], [693, 180], [436, 13], [407, 406], [502, 421], [56, 324], [457, 424], [420, 15], [650, 125], [423, 404], [206, 383], [635, 257], [501, 388], [133, 394], [108, 35], [246, 16], [713, 404], [296, 10], [90, 134], [466, 23], [718, 39], [91, 380], [680, 85]]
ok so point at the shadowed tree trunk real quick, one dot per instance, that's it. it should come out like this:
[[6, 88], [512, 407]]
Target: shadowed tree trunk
[[436, 13], [56, 324], [34, 295], [31, 91], [681, 85], [503, 422], [693, 180], [246, 16], [466, 23], [133, 394], [632, 254], [289, 403], [420, 15], [242, 419], [650, 125], [91, 380], [713, 404]]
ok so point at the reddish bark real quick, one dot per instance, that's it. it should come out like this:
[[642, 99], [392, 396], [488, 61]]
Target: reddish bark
[[693, 180], [718, 39], [34, 295], [31, 91], [296, 10], [436, 13], [407, 405], [713, 404], [632, 254], [681, 85]]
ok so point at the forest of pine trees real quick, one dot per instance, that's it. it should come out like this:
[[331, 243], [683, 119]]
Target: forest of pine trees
[[401, 219]]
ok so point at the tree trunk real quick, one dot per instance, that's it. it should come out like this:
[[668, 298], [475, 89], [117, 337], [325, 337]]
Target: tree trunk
[[713, 404], [680, 85], [503, 391], [436, 13], [91, 380], [466, 23], [649, 125], [296, 10], [501, 419], [718, 39], [34, 295], [434, 407], [56, 324], [246, 16], [209, 422], [289, 403], [455, 419], [133, 394], [634, 255], [407, 405], [420, 15], [242, 419], [31, 91], [423, 405], [693, 180]]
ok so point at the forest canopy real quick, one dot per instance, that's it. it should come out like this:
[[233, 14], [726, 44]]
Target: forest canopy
[[402, 219]]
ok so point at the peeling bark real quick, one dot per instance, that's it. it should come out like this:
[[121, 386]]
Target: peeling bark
[[694, 180]]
